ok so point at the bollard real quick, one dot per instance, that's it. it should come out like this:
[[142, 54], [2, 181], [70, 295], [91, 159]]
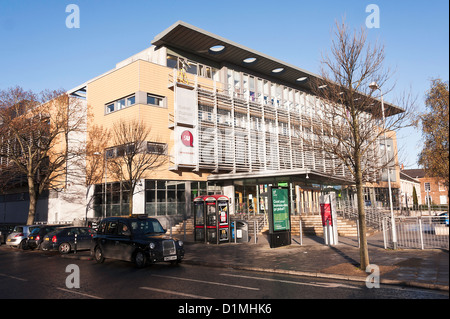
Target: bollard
[[255, 230], [75, 248], [357, 233], [421, 234], [301, 233]]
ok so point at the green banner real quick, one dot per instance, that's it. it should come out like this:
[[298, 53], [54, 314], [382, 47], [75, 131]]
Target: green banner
[[280, 209]]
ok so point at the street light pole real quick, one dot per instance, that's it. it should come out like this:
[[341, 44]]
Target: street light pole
[[374, 86]]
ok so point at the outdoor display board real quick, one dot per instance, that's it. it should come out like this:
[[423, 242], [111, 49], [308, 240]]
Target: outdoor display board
[[279, 216], [280, 209]]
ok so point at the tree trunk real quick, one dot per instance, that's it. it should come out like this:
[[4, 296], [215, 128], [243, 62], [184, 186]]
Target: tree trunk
[[33, 201], [363, 249], [130, 201], [130, 206]]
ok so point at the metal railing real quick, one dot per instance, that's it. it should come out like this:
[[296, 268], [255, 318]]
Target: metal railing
[[424, 232], [374, 215]]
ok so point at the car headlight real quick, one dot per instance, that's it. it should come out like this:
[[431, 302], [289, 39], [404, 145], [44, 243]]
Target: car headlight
[[180, 243], [151, 245]]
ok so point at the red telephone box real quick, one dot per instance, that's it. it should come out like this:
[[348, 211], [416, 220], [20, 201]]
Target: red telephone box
[[211, 219], [199, 219]]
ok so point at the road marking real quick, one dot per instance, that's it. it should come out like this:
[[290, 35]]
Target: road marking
[[175, 293], [322, 285], [79, 293], [12, 277], [207, 282]]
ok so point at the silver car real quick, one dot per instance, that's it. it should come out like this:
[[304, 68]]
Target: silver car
[[18, 237]]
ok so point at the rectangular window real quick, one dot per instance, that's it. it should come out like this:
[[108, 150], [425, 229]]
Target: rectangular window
[[131, 100], [156, 148], [120, 150], [172, 61], [165, 198], [155, 100], [192, 68], [110, 108], [120, 104], [111, 228], [427, 187]]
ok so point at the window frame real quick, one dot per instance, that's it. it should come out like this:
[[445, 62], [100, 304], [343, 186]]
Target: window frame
[[162, 100], [157, 144], [117, 105]]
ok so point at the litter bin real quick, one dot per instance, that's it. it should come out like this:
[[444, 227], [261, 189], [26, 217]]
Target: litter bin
[[241, 231]]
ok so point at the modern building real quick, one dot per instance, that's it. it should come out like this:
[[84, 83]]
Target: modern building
[[228, 117]]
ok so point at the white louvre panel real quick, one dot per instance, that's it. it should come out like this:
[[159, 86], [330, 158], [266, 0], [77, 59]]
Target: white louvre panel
[[259, 133], [206, 130]]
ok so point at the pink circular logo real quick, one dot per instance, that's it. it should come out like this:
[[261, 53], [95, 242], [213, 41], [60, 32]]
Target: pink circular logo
[[187, 138]]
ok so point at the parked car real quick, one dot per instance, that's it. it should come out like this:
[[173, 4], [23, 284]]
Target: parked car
[[37, 235], [140, 240], [63, 239], [5, 230], [18, 238], [444, 218]]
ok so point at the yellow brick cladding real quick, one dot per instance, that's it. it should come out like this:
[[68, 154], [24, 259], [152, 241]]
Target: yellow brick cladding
[[137, 76]]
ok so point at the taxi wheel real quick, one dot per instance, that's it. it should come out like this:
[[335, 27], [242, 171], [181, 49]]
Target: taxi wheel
[[98, 255], [140, 259], [64, 248]]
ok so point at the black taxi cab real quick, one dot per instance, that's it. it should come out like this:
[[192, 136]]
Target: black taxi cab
[[138, 239]]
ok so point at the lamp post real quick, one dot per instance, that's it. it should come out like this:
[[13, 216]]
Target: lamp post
[[374, 86]]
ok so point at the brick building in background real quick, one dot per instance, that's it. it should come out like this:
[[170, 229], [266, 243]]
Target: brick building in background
[[431, 188]]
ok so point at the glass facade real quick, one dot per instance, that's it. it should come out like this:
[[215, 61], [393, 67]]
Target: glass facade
[[165, 198], [162, 198], [116, 197]]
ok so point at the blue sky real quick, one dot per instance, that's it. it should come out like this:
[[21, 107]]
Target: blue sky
[[38, 51]]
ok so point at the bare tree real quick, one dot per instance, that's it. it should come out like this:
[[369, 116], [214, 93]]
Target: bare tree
[[348, 123], [35, 129], [92, 166], [134, 154]]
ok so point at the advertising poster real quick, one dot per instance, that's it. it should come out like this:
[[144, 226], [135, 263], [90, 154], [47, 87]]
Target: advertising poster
[[280, 209]]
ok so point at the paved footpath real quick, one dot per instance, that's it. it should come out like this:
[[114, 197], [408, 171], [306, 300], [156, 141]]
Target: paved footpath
[[410, 267]]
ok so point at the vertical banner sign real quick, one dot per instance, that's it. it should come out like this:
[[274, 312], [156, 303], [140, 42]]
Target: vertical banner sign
[[185, 107], [280, 209], [186, 146]]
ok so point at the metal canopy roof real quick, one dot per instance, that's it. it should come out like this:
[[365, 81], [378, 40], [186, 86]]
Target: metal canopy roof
[[300, 174], [189, 38]]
